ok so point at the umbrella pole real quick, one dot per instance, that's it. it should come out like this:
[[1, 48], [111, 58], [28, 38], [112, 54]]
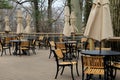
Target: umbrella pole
[[100, 46]]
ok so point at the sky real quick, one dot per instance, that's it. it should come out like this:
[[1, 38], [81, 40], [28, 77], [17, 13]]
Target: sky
[[59, 3]]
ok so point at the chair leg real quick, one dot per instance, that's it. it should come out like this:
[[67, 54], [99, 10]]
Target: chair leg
[[77, 69], [20, 52], [39, 45], [83, 75], [57, 72], [10, 51], [28, 52], [78, 53], [87, 76], [114, 73], [33, 50], [2, 53], [100, 77], [50, 54], [62, 70], [5, 51], [72, 72]]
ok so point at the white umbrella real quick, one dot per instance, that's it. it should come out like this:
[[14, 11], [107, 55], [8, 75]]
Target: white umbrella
[[19, 22], [66, 30], [7, 27], [73, 22], [28, 28], [99, 25]]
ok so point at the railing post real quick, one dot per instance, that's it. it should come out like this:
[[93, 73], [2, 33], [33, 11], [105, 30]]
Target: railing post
[[91, 44], [61, 37]]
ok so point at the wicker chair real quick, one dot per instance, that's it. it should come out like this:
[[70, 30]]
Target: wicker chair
[[92, 65], [61, 63]]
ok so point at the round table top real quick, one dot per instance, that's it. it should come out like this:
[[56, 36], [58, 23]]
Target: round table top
[[17, 40], [102, 53], [67, 42]]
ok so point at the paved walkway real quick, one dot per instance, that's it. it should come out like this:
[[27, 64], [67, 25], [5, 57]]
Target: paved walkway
[[33, 67]]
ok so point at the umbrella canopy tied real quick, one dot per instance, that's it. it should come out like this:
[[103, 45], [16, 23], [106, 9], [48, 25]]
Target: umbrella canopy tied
[[66, 30], [99, 25]]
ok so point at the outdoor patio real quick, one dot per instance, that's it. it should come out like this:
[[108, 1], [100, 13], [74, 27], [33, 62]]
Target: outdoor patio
[[34, 67]]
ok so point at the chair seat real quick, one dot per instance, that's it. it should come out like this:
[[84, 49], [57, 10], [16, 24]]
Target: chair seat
[[94, 71], [116, 64], [5, 47], [67, 63], [64, 51], [24, 48]]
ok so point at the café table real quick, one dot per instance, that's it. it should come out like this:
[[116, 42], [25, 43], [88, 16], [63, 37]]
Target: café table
[[108, 54]]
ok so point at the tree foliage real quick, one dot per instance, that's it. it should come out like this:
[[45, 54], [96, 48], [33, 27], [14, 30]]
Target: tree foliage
[[4, 4]]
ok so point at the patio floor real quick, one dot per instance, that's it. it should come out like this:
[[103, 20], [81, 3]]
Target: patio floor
[[34, 67]]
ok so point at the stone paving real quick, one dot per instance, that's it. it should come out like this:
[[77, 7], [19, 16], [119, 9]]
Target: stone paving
[[34, 67]]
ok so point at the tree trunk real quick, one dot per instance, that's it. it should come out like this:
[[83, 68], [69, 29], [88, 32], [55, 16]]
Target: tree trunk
[[36, 15], [115, 14], [87, 9], [49, 27], [76, 6]]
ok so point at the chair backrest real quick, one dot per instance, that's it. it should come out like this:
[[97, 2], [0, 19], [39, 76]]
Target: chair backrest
[[24, 44], [7, 40], [32, 42], [97, 48], [93, 61], [52, 43], [1, 43], [83, 39], [60, 46], [84, 43], [14, 38], [59, 53], [41, 37]]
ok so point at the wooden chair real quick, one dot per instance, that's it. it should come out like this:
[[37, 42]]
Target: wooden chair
[[52, 46], [115, 65], [4, 46], [63, 63], [92, 65], [25, 47]]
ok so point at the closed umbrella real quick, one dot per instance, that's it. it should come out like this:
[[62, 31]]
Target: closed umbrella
[[73, 22], [66, 30], [19, 22], [28, 28], [7, 27], [99, 25]]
